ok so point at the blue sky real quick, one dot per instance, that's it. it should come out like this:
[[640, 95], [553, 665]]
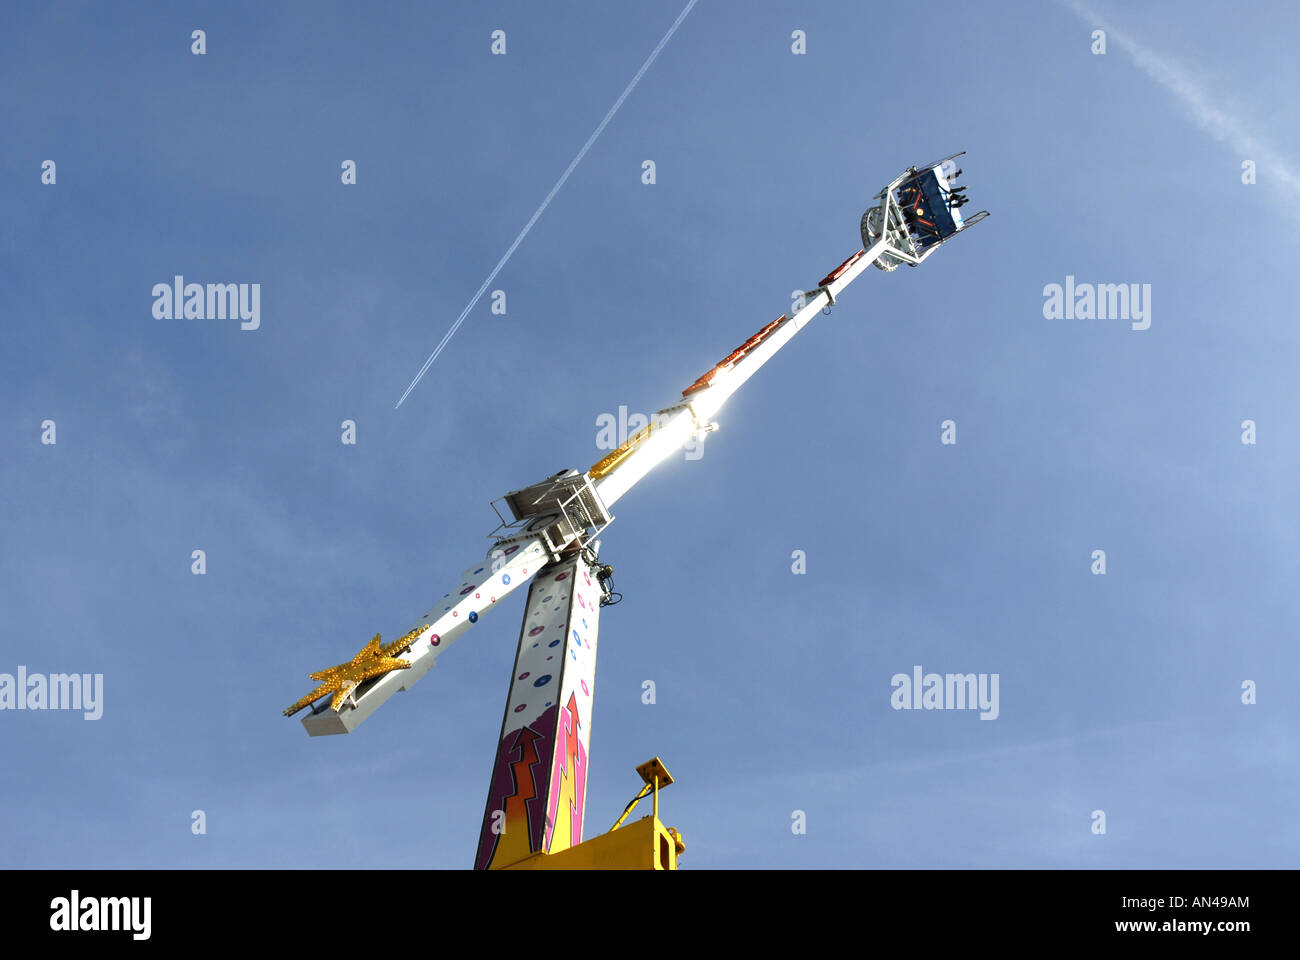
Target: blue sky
[[1119, 693]]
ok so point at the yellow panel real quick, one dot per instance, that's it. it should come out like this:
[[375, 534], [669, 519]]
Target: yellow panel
[[644, 845], [603, 466]]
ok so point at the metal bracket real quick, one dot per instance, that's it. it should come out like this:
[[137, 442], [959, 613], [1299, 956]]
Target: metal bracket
[[562, 509]]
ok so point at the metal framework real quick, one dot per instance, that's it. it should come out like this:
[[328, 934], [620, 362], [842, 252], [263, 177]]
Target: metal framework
[[536, 803]]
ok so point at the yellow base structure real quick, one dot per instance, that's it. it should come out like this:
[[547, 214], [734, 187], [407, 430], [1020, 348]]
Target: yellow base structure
[[644, 845]]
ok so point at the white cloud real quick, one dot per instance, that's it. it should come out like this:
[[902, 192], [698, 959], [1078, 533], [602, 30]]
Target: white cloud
[[1209, 116]]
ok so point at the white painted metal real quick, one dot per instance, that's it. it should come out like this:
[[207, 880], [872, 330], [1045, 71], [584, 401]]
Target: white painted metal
[[683, 420], [687, 418], [540, 805], [570, 507], [480, 589]]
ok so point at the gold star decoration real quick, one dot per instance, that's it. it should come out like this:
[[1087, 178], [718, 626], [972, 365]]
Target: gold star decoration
[[341, 680]]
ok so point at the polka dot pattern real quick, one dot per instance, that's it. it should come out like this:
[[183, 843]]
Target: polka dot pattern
[[563, 604]]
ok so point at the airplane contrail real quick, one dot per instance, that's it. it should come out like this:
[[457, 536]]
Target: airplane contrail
[[1211, 118], [549, 197]]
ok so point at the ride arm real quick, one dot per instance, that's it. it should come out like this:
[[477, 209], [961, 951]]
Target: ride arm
[[677, 424]]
